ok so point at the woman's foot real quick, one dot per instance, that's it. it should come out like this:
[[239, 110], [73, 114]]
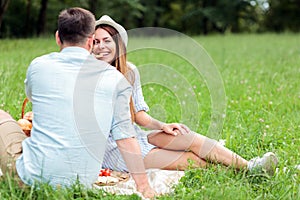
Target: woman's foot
[[266, 164]]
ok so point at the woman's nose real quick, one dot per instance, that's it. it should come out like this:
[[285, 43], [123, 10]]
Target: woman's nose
[[101, 45]]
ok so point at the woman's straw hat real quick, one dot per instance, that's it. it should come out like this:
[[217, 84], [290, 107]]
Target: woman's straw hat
[[105, 19]]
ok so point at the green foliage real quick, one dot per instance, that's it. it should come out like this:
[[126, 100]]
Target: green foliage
[[126, 11], [261, 79], [10, 190], [209, 16], [19, 19], [23, 17], [289, 9]]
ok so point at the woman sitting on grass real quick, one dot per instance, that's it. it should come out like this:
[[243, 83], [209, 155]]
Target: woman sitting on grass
[[169, 146]]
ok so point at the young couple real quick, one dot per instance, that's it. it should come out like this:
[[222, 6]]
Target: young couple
[[82, 118], [170, 146]]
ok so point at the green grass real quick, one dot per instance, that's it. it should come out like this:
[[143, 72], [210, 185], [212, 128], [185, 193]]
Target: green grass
[[261, 79]]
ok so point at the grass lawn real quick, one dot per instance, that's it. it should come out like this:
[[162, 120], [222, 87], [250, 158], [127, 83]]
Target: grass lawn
[[252, 100]]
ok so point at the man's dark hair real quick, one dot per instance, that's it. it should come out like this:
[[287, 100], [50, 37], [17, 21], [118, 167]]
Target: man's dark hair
[[75, 25]]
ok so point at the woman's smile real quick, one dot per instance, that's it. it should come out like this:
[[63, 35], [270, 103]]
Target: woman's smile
[[102, 55]]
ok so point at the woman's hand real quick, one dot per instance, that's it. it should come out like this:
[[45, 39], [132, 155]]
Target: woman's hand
[[175, 129], [145, 120]]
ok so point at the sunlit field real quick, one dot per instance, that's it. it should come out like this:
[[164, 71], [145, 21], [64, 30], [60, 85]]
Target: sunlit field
[[260, 107]]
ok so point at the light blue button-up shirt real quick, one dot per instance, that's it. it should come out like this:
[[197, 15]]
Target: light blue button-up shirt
[[77, 101]]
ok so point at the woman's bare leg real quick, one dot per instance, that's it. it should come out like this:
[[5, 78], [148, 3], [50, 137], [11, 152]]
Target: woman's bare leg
[[203, 147], [172, 160]]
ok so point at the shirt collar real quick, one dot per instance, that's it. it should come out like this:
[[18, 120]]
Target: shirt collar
[[75, 49]]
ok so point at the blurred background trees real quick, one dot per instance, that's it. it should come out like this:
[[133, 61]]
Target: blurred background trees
[[31, 18]]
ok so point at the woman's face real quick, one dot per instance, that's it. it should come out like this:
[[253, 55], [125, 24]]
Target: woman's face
[[104, 46]]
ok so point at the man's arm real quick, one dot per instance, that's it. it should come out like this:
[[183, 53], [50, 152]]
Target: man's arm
[[124, 133], [132, 156]]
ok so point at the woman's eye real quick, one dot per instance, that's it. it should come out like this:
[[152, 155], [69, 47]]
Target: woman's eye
[[96, 42]]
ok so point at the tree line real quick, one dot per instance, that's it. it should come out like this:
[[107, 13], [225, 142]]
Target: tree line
[[31, 18]]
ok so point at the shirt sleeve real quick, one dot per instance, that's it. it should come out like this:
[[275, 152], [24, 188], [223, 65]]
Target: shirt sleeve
[[137, 94], [122, 126]]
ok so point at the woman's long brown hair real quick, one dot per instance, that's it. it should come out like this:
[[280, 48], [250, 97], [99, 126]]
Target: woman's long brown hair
[[120, 61]]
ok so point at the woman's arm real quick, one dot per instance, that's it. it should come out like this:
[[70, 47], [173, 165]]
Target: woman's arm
[[137, 92], [141, 107], [146, 121]]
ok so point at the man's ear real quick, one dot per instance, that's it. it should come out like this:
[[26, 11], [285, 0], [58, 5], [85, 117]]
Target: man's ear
[[90, 43], [58, 42]]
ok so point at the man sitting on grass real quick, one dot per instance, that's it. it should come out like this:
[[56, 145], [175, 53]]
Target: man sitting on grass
[[77, 101]]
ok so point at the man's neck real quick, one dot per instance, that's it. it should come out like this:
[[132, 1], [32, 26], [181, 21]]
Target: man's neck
[[65, 45]]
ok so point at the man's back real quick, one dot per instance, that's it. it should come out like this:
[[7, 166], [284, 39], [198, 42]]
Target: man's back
[[68, 139]]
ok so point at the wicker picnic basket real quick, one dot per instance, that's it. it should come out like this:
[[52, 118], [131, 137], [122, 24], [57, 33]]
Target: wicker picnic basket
[[25, 121]]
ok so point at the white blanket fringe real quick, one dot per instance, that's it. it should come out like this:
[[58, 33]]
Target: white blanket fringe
[[162, 181]]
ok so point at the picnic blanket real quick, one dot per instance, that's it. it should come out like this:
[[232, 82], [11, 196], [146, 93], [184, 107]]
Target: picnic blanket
[[162, 181]]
